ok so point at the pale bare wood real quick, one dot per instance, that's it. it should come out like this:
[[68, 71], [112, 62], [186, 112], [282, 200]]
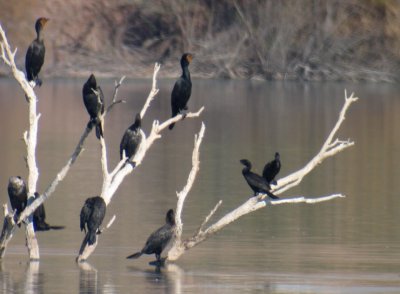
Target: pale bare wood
[[112, 180], [329, 148]]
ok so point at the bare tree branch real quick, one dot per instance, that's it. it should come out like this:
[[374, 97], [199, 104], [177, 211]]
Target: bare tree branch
[[192, 176], [153, 92], [328, 149], [30, 138], [112, 181], [114, 99]]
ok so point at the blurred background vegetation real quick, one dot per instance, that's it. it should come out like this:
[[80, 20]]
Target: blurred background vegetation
[[285, 39]]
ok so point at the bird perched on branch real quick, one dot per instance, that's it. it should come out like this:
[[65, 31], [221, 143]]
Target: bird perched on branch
[[39, 219], [159, 239], [34, 57], [256, 182], [94, 102], [182, 89], [92, 215], [271, 169], [131, 139], [18, 195]]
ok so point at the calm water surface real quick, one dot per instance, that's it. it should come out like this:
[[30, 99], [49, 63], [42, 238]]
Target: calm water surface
[[347, 245]]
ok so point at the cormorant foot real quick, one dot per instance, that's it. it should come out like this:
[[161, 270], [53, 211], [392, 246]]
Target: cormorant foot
[[38, 82], [158, 263]]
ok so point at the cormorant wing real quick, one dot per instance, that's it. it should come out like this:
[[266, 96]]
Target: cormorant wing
[[124, 143], [269, 171], [180, 95], [158, 240], [85, 214], [257, 181]]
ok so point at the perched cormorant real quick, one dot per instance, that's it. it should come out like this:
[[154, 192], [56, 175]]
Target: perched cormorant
[[39, 219], [92, 215], [182, 88], [131, 140], [159, 239], [256, 182], [18, 195], [271, 169], [34, 58], [94, 103]]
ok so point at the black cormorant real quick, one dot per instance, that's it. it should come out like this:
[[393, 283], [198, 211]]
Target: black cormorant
[[34, 58], [131, 139], [39, 219], [94, 103], [92, 215], [256, 182], [182, 88], [18, 195], [271, 169], [159, 239]]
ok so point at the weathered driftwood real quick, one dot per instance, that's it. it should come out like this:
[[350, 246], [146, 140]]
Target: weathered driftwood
[[329, 148], [30, 139], [112, 180]]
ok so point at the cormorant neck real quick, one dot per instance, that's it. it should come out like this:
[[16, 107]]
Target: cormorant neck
[[39, 35], [185, 71]]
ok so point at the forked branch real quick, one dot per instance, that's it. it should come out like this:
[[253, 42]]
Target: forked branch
[[112, 180], [328, 149]]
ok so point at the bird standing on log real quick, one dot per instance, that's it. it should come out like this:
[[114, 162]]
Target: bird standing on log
[[256, 182], [159, 239], [182, 89], [94, 102], [271, 169], [34, 57], [131, 139], [91, 218]]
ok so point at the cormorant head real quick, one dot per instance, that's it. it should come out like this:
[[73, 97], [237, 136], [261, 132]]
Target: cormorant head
[[138, 120], [277, 156], [170, 217], [186, 59], [36, 194], [40, 23], [246, 163], [92, 81], [16, 182]]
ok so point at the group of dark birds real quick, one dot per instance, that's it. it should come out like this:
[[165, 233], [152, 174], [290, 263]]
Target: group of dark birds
[[94, 209]]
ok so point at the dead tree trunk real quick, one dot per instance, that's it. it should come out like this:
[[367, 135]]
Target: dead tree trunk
[[112, 180], [30, 138], [329, 148]]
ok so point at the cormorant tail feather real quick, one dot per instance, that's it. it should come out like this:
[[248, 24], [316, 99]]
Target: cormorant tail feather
[[135, 255]]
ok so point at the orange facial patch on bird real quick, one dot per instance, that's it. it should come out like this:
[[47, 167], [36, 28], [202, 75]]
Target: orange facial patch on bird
[[43, 21], [189, 58]]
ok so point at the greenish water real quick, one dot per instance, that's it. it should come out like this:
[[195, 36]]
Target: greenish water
[[347, 245]]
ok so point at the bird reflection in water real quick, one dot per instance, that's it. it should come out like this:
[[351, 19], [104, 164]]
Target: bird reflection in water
[[88, 281], [167, 277], [30, 282]]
